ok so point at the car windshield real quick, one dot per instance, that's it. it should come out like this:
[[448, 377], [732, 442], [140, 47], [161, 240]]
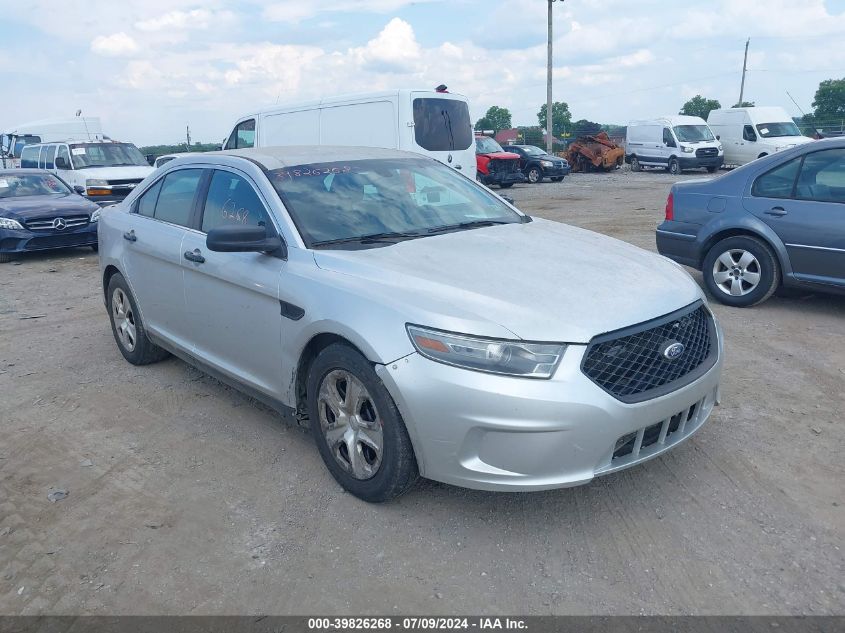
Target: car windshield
[[693, 133], [783, 128], [86, 155], [533, 151], [19, 186], [379, 202], [486, 145]]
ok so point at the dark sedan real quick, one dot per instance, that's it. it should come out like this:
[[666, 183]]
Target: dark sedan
[[39, 211], [779, 220], [536, 164]]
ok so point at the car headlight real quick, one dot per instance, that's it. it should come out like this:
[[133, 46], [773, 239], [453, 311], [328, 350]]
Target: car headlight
[[95, 215], [96, 182], [687, 150], [546, 163], [720, 147], [511, 358], [9, 223], [97, 187]]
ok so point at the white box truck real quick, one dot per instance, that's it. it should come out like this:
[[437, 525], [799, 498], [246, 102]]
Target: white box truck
[[674, 142], [435, 123], [751, 133], [15, 138]]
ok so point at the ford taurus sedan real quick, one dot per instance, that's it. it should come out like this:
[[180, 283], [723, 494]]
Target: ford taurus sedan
[[418, 324], [779, 220], [39, 211]]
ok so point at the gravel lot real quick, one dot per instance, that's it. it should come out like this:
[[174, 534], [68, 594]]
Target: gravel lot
[[187, 497]]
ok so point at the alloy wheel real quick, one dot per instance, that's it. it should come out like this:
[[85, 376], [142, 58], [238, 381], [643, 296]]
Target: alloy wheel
[[736, 272], [124, 319], [351, 424], [533, 175]]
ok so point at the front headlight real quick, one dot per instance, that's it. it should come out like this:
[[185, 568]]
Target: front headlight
[[511, 358], [96, 182], [720, 147], [8, 223], [547, 163], [687, 150], [95, 216]]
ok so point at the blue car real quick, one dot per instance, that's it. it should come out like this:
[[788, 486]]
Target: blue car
[[779, 220], [39, 211]]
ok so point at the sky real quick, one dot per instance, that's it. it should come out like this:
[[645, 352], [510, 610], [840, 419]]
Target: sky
[[149, 68]]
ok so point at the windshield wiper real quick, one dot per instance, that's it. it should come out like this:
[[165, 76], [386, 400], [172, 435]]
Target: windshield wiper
[[472, 224], [371, 238]]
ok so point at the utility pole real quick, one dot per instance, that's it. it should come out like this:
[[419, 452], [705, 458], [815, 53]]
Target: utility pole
[[744, 69], [188, 135], [549, 118]]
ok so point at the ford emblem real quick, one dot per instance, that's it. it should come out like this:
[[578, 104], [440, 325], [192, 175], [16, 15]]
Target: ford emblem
[[672, 350]]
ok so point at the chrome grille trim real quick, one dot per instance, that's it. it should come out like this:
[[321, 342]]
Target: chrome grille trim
[[46, 224]]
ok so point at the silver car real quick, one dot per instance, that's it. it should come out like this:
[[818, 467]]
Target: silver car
[[416, 321]]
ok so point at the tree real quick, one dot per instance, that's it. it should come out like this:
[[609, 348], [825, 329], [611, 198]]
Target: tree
[[583, 127], [829, 103], [496, 119], [561, 118], [532, 135], [699, 106], [743, 104]]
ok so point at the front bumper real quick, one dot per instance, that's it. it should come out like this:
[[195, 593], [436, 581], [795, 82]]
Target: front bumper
[[695, 162], [502, 178], [17, 241], [493, 432], [555, 172]]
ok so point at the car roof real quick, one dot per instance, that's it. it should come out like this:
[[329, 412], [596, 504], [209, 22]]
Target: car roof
[[279, 157]]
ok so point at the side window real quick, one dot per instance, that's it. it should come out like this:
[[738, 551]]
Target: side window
[[778, 182], [147, 201], [232, 200], [29, 157], [668, 140], [49, 156], [748, 133], [244, 135], [176, 197], [63, 153], [822, 176]]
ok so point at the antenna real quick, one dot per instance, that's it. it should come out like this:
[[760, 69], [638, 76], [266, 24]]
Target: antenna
[[796, 103], [85, 123]]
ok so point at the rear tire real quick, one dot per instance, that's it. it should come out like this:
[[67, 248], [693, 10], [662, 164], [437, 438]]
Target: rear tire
[[506, 185], [741, 271], [127, 325], [363, 442], [557, 178], [674, 167], [635, 164]]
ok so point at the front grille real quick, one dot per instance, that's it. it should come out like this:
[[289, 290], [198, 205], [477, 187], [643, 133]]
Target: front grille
[[46, 224], [503, 166], [707, 152], [125, 181], [631, 364]]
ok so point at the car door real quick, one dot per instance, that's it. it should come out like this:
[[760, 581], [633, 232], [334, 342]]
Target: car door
[[668, 147], [152, 254], [232, 299], [747, 145], [803, 201]]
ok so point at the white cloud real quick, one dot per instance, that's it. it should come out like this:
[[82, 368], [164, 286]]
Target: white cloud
[[395, 49], [182, 20], [114, 45], [293, 11]]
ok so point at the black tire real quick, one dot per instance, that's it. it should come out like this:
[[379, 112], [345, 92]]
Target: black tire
[[712, 170], [534, 175], [144, 350], [635, 164], [767, 266], [506, 185], [397, 471], [95, 247], [5, 257], [557, 179], [674, 167]]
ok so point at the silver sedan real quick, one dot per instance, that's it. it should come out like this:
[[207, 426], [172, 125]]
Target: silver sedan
[[417, 322]]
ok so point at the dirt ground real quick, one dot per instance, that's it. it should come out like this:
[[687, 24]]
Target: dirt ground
[[185, 497]]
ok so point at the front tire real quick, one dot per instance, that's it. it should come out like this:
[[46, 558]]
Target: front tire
[[535, 175], [506, 185], [357, 426], [674, 167], [635, 164], [127, 325], [741, 271], [711, 170]]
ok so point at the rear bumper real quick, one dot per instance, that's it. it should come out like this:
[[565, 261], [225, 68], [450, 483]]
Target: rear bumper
[[677, 245], [27, 241]]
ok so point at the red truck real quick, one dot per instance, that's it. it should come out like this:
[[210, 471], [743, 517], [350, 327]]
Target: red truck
[[495, 166]]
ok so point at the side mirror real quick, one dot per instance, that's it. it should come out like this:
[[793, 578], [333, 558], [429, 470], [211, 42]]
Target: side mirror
[[79, 189], [244, 239], [718, 137], [61, 163]]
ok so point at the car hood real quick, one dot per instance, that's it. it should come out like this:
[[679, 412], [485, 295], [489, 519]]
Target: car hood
[[33, 207], [117, 173], [540, 281], [502, 155]]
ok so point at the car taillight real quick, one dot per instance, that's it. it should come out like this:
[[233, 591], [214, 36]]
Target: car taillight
[[670, 207]]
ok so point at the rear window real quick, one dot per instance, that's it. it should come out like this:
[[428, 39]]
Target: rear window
[[29, 157], [442, 125]]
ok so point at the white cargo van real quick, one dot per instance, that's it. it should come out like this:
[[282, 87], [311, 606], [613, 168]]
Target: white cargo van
[[15, 138], [674, 142], [435, 123], [750, 133], [104, 171]]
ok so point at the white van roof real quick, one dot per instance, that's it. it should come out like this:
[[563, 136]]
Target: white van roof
[[670, 120], [74, 127], [759, 114]]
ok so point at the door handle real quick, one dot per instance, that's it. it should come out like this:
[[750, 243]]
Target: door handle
[[194, 256], [458, 167], [130, 236], [776, 211]]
